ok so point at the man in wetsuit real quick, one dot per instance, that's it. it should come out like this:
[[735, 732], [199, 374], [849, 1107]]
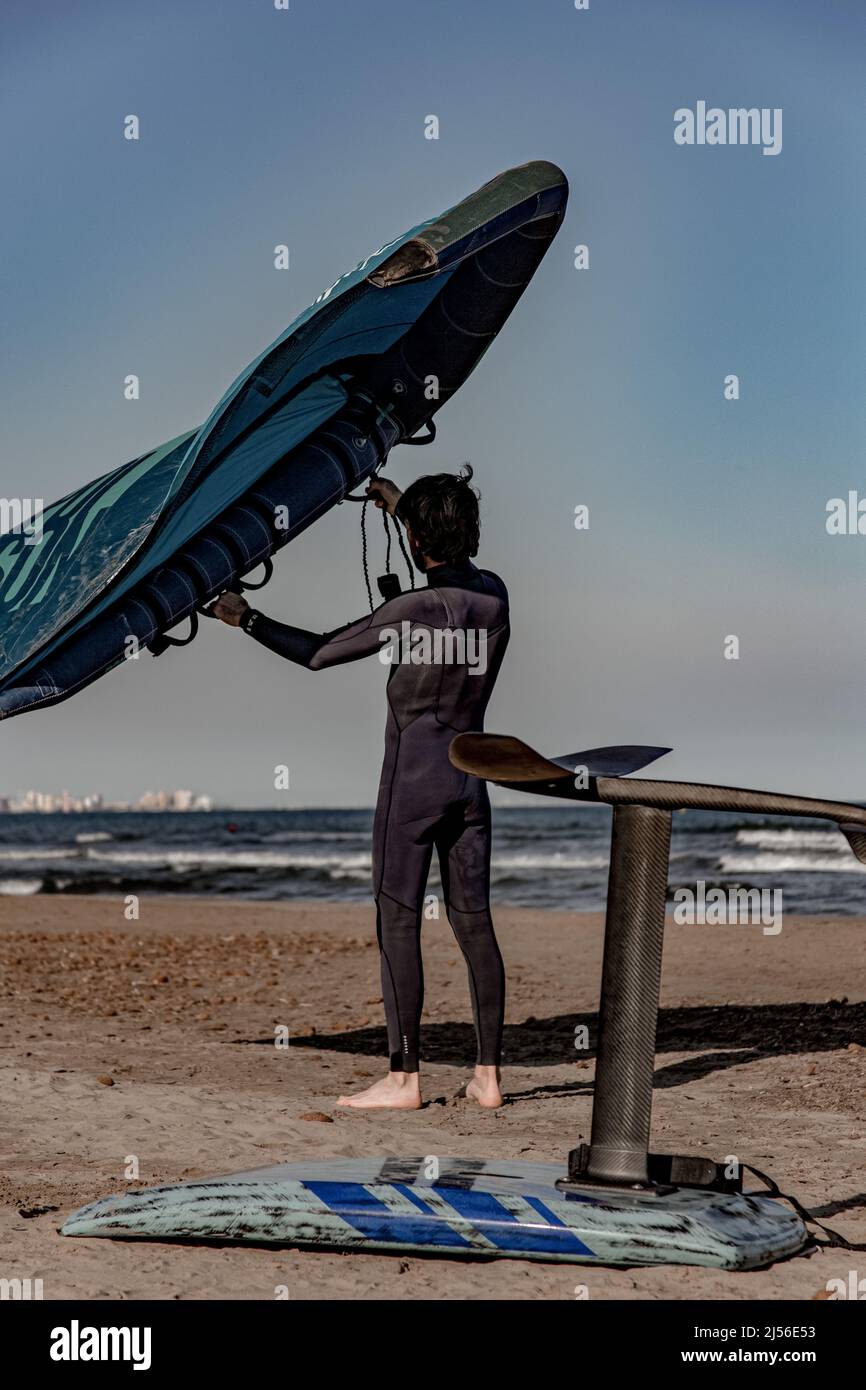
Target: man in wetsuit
[[447, 642]]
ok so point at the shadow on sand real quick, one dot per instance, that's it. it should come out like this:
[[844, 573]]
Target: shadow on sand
[[727, 1035]]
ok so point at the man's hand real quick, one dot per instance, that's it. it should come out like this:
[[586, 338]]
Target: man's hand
[[230, 608], [384, 493]]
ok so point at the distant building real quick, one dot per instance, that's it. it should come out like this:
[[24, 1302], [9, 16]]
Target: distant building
[[48, 803]]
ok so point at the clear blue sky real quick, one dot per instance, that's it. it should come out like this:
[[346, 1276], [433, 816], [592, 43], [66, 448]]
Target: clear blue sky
[[605, 388]]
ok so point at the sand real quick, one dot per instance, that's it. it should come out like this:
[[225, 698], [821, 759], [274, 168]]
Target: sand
[[154, 1039]]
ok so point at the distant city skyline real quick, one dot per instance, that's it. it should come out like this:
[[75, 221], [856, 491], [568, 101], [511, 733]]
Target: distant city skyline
[[64, 803]]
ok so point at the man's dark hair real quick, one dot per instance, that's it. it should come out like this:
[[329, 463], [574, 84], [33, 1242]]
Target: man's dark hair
[[442, 511]]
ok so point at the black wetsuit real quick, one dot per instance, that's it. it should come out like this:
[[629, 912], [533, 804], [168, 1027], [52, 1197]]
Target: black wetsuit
[[424, 801]]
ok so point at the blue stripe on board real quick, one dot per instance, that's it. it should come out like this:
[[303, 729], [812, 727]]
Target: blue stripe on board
[[551, 1216], [353, 1203], [504, 1230]]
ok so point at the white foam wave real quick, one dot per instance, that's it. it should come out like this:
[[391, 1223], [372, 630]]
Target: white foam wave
[[181, 860], [17, 855], [549, 861], [225, 859], [794, 839], [19, 887], [790, 864], [287, 837]]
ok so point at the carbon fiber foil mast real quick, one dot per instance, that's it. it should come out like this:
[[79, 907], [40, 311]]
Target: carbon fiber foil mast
[[630, 982]]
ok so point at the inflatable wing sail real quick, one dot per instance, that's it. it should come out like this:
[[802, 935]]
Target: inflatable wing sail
[[124, 559]]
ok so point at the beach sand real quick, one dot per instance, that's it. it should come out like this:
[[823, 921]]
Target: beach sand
[[760, 1054]]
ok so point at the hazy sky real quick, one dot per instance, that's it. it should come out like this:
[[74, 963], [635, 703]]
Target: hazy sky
[[707, 516]]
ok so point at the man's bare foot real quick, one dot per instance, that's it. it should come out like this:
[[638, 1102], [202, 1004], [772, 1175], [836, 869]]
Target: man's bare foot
[[484, 1088], [400, 1090]]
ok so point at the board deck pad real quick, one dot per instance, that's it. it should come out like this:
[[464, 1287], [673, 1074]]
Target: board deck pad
[[481, 1207]]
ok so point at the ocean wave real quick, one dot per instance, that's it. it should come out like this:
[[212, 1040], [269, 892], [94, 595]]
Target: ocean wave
[[790, 864], [549, 861], [19, 887], [16, 855], [92, 837], [226, 859], [241, 858], [794, 839], [286, 837]]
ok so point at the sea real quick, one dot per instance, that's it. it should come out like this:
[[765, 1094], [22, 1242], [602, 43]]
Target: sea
[[542, 856]]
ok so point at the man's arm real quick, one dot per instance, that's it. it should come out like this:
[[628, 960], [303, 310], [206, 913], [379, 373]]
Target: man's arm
[[317, 650], [294, 643]]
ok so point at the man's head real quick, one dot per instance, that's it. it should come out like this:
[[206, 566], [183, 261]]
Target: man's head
[[441, 517]]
